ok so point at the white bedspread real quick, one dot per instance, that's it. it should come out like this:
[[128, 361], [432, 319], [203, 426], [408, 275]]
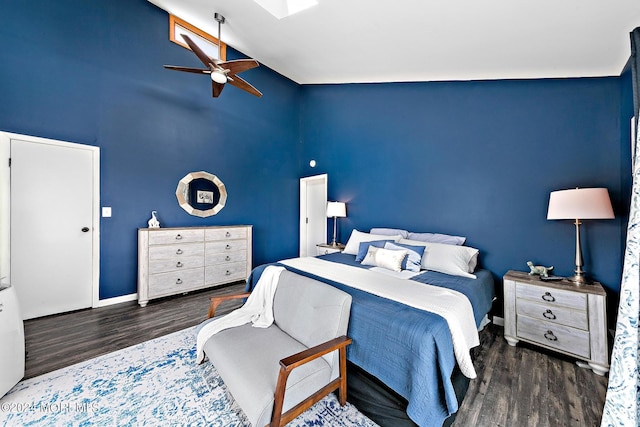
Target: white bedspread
[[258, 310], [453, 306]]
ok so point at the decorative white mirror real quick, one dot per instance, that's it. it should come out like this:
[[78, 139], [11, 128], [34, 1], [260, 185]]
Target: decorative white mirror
[[201, 194]]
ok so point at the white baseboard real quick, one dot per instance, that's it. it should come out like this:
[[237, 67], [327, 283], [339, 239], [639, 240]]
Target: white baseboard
[[498, 321], [116, 300]]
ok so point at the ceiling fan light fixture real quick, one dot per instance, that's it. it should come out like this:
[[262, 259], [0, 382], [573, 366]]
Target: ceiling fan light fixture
[[219, 77]]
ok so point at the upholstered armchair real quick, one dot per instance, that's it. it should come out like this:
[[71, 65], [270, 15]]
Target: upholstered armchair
[[276, 373]]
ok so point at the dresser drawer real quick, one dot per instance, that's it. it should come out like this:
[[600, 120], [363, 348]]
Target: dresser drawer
[[227, 233], [175, 282], [164, 265], [164, 237], [564, 338], [225, 257], [227, 246], [553, 314], [553, 297], [177, 251], [225, 272]]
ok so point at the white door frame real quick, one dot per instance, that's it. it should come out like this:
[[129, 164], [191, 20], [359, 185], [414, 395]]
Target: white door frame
[[5, 208], [303, 210]]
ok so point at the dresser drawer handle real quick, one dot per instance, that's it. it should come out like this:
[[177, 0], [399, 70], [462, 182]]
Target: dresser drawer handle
[[549, 335], [227, 234], [548, 297], [179, 237], [227, 247], [227, 258], [179, 252], [549, 315], [179, 281], [179, 264], [228, 273]]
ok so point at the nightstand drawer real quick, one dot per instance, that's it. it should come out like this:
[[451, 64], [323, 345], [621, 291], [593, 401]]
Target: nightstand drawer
[[553, 314], [564, 338], [551, 296], [325, 250]]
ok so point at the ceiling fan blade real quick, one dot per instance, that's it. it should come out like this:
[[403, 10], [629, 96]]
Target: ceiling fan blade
[[187, 69], [209, 62], [244, 85], [239, 65], [216, 89]]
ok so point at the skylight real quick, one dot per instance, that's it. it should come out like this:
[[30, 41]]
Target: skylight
[[283, 8]]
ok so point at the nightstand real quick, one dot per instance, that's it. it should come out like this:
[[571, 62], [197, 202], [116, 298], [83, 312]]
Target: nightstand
[[559, 316], [326, 248]]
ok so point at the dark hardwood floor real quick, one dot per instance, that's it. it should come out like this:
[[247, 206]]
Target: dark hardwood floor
[[516, 386]]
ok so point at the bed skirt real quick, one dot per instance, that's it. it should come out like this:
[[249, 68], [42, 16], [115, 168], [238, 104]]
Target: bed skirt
[[384, 406]]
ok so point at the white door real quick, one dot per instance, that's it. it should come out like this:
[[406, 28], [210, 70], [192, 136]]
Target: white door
[[53, 225], [313, 213]]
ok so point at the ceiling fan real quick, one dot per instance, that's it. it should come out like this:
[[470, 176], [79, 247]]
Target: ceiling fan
[[221, 72]]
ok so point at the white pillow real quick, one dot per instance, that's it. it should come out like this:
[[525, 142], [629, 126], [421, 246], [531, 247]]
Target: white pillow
[[357, 237], [385, 258], [437, 238], [390, 232], [448, 259]]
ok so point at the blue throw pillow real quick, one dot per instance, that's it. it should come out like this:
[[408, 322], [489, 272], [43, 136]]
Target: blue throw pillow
[[364, 247], [414, 255]]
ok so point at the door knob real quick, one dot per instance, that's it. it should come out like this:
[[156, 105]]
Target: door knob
[[85, 229]]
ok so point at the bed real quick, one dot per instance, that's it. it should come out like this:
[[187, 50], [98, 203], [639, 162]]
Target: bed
[[401, 353]]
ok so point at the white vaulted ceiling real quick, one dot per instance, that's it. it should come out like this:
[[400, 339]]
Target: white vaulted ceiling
[[353, 41]]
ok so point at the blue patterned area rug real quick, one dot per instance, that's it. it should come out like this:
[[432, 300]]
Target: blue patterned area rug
[[153, 383]]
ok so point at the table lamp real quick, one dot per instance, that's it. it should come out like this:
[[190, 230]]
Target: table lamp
[[336, 210], [578, 204]]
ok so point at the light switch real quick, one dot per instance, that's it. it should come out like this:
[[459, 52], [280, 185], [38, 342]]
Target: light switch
[[106, 211]]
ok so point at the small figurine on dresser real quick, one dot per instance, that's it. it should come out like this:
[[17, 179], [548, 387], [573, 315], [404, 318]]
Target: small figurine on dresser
[[153, 222], [539, 270]]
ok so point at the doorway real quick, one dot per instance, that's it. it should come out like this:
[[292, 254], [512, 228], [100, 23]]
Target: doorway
[[53, 205], [313, 213]]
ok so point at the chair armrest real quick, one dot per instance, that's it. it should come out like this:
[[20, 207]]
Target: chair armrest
[[287, 364], [216, 301], [305, 356]]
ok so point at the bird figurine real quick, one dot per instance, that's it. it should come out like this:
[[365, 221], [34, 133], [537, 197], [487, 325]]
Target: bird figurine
[[153, 222]]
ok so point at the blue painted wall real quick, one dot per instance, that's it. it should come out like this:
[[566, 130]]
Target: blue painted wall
[[476, 159], [472, 158], [91, 72]]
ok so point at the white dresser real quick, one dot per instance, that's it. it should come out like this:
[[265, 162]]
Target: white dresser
[[184, 259], [559, 316], [11, 340]]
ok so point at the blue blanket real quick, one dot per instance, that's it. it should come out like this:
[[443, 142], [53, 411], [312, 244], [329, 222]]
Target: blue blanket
[[408, 349]]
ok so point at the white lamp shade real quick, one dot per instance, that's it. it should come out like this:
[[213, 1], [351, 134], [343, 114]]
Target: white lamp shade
[[580, 203], [338, 209]]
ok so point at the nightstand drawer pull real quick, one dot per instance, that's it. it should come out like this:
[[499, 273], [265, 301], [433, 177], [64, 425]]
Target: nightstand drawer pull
[[549, 335], [179, 282], [179, 264], [179, 252], [548, 297], [178, 237], [549, 315]]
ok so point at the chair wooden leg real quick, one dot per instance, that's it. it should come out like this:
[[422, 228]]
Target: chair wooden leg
[[342, 391], [278, 401]]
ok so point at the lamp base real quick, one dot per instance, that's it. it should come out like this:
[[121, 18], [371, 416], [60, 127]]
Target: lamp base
[[579, 280]]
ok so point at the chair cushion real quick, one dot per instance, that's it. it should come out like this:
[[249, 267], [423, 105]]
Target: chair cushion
[[311, 312], [247, 359]]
